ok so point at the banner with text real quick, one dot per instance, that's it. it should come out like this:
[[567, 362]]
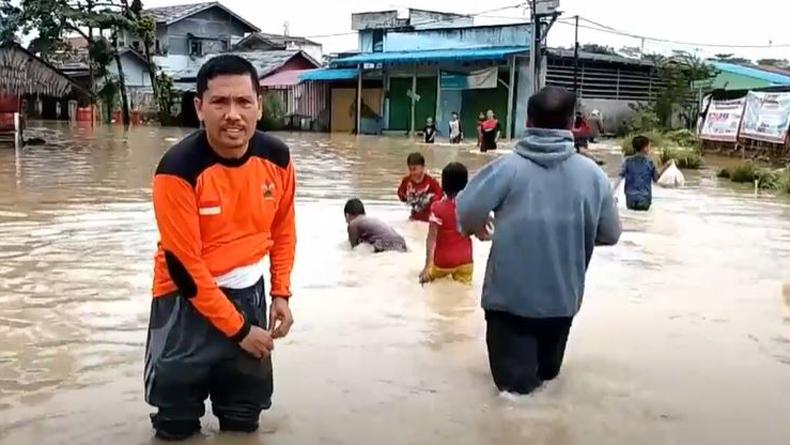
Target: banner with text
[[766, 117], [723, 120], [475, 80]]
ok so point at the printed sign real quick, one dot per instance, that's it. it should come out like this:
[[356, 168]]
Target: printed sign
[[475, 80], [723, 120], [766, 117]]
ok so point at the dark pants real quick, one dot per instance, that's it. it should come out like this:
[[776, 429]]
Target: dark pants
[[638, 204], [525, 352], [187, 360]]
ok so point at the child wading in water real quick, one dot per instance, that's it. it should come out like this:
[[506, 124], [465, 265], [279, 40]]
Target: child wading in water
[[448, 253], [364, 229], [418, 189], [639, 173]]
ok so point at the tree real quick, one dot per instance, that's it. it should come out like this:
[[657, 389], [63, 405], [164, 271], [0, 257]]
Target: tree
[[678, 74], [598, 49], [730, 58], [631, 51], [778, 63], [145, 27], [9, 21]]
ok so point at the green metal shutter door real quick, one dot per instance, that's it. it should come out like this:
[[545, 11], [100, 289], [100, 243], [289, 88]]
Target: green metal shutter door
[[400, 103]]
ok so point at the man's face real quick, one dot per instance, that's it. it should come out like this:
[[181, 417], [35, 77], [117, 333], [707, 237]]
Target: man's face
[[490, 114], [416, 172], [229, 109]]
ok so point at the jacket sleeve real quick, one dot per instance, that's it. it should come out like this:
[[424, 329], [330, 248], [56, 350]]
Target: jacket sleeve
[[609, 228], [402, 189], [484, 193], [284, 237], [176, 210]]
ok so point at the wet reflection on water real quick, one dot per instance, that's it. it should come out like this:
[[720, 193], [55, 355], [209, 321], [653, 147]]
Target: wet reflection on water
[[684, 336]]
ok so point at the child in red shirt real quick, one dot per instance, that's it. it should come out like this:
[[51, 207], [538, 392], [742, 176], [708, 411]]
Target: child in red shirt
[[448, 252], [418, 189]]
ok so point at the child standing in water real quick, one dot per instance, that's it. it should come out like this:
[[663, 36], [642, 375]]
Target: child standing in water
[[639, 173], [448, 253], [455, 130], [418, 189], [430, 131]]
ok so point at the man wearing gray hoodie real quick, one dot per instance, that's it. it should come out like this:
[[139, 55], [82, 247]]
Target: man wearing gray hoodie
[[552, 206]]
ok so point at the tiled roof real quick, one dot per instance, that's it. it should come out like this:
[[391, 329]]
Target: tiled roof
[[281, 39], [265, 62], [172, 14]]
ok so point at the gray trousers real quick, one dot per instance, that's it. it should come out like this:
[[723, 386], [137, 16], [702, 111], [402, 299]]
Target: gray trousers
[[188, 360]]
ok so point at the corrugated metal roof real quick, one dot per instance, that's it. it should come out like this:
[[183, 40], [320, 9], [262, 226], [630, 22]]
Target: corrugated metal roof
[[755, 73], [282, 40], [433, 56], [175, 13], [586, 55], [326, 74]]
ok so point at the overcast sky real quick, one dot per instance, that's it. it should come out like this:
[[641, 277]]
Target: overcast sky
[[756, 22]]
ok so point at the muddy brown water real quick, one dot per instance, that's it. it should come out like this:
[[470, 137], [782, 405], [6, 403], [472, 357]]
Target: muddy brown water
[[684, 336]]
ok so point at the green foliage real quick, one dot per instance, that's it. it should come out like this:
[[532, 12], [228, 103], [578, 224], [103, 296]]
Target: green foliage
[[679, 72], [748, 172], [9, 21], [683, 138], [724, 173], [645, 119], [273, 113], [668, 147], [779, 63], [166, 97], [685, 159], [598, 49]]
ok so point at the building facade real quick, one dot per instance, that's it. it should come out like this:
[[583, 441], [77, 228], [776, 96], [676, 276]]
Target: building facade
[[429, 65]]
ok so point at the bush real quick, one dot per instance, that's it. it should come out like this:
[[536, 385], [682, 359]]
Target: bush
[[645, 120], [767, 179], [657, 140], [684, 158], [724, 173], [683, 138], [273, 113]]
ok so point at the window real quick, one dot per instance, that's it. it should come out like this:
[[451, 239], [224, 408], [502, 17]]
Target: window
[[136, 45], [156, 47], [196, 48], [378, 40]]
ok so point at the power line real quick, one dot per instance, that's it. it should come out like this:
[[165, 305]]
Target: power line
[[607, 29]]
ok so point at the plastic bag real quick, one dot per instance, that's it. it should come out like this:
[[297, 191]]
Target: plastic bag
[[672, 177]]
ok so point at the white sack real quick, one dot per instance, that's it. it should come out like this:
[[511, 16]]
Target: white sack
[[672, 177]]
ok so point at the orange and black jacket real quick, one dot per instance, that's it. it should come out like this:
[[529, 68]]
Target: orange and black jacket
[[215, 215]]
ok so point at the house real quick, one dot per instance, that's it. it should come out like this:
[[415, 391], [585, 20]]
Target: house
[[428, 64], [195, 29], [740, 77]]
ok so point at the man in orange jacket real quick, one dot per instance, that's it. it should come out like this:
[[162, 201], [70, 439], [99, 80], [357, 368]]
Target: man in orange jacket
[[224, 200]]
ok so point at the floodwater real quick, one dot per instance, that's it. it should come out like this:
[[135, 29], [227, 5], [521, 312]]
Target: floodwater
[[684, 337]]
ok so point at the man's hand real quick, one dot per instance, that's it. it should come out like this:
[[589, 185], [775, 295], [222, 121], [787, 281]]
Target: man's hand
[[258, 343], [280, 312]]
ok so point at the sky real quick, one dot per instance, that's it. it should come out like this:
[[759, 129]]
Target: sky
[[757, 22]]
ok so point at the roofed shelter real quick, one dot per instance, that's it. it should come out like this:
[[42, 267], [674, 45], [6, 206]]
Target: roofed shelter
[[23, 73]]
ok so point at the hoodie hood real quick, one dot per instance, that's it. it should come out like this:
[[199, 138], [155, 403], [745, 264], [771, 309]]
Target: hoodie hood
[[546, 147]]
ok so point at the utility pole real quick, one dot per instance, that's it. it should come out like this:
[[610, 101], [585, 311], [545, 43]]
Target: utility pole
[[576, 60], [540, 9]]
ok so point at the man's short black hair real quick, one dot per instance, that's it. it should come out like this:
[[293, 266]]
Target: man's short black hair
[[552, 107], [225, 65], [640, 143], [454, 178], [415, 159], [354, 207]]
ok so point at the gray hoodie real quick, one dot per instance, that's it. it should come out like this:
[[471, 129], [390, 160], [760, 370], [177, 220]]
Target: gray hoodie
[[552, 206]]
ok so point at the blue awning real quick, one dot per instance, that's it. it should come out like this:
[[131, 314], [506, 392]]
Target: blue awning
[[326, 74], [433, 56]]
